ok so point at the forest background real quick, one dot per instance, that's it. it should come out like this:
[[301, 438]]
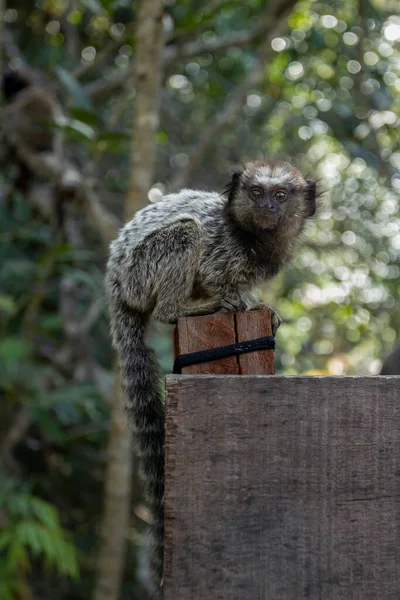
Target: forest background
[[154, 97]]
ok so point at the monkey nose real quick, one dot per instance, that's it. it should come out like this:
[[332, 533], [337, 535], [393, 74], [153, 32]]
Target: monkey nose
[[266, 204], [270, 205]]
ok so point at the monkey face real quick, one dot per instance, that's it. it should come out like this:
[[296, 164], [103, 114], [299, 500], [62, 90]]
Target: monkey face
[[268, 196]]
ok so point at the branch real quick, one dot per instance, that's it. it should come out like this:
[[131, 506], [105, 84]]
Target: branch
[[14, 435], [95, 89], [234, 102], [179, 34], [237, 39], [99, 217], [102, 55], [276, 10], [11, 49], [102, 89], [54, 168]]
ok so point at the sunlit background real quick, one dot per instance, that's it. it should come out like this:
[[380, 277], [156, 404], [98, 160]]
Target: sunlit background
[[322, 91]]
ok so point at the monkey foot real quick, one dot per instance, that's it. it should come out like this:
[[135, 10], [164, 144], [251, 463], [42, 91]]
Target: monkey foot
[[276, 319]]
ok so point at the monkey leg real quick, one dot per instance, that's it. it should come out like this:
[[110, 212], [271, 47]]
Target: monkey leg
[[209, 308]]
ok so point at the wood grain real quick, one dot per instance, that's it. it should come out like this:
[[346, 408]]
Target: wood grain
[[221, 329], [249, 326], [282, 488], [202, 333]]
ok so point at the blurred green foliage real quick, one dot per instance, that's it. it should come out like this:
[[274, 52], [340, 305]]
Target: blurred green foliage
[[329, 100], [30, 530]]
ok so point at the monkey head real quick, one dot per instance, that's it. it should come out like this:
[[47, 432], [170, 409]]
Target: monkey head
[[14, 82], [271, 196]]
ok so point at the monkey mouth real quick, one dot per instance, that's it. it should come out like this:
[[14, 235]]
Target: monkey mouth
[[268, 221]]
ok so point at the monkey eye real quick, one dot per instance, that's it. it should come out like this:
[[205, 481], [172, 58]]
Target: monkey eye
[[280, 195], [256, 193]]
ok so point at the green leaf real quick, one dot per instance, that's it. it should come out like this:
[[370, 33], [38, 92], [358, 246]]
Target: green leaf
[[18, 268], [7, 305], [49, 425], [69, 565], [10, 587], [90, 117], [51, 323], [17, 556], [17, 504], [5, 539], [162, 138], [114, 136], [79, 131], [112, 142], [45, 512], [49, 543], [13, 349]]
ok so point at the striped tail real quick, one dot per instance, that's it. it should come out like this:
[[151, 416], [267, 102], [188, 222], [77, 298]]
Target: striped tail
[[144, 402]]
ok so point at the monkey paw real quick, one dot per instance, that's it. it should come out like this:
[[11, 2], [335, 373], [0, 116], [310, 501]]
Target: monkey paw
[[276, 319], [233, 305]]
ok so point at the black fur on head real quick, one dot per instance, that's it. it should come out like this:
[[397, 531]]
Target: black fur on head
[[233, 185], [311, 197], [314, 192], [14, 82]]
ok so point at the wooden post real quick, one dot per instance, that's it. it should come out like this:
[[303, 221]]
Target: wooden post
[[282, 488], [221, 329]]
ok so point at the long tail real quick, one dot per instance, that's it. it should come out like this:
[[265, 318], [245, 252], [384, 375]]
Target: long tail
[[144, 400]]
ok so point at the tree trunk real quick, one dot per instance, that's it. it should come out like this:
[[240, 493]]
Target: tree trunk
[[149, 45], [116, 503], [2, 10]]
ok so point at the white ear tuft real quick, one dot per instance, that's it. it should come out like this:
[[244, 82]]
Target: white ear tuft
[[155, 195]]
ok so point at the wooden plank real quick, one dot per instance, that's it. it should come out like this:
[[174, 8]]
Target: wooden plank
[[282, 488], [251, 325], [202, 333], [221, 329]]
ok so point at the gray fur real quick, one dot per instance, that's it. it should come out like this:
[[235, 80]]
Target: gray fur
[[189, 247]]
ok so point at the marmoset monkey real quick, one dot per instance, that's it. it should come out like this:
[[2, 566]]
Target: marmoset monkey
[[29, 124], [188, 247], [38, 144]]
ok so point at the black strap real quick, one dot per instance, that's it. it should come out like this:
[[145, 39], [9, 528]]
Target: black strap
[[193, 358]]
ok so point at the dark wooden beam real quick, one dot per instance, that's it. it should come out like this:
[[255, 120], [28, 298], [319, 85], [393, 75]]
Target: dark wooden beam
[[282, 488]]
